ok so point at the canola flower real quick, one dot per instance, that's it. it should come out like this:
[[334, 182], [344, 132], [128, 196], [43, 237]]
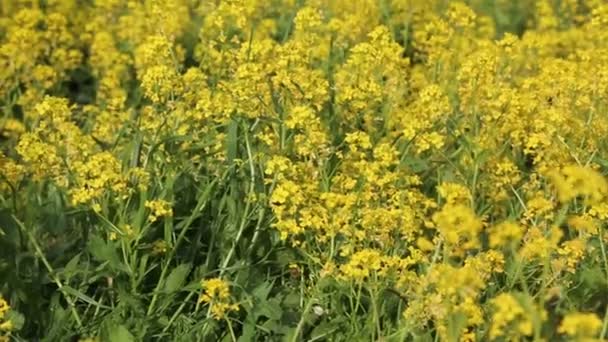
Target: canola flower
[[6, 325], [580, 326], [158, 208], [435, 169], [216, 293]]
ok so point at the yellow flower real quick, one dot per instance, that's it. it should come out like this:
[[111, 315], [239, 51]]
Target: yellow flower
[[4, 307], [502, 234], [11, 128], [454, 193], [362, 264], [573, 181], [459, 225], [580, 325], [5, 325], [511, 319], [460, 15], [159, 247], [573, 251], [216, 293], [158, 208], [100, 174], [215, 288]]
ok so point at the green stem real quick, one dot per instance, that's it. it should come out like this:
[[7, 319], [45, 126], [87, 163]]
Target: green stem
[[300, 326], [232, 335], [202, 202], [376, 314], [247, 207], [178, 311], [50, 270]]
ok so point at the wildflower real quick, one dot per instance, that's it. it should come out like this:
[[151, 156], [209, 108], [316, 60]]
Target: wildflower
[[159, 247], [6, 325], [454, 193], [158, 208], [505, 233], [579, 325], [459, 225], [583, 224], [160, 83], [460, 15], [539, 207], [11, 172], [510, 318], [362, 264], [140, 177], [216, 293], [99, 174], [11, 128], [573, 251], [4, 307], [540, 245], [277, 164], [573, 181], [328, 270], [425, 244]]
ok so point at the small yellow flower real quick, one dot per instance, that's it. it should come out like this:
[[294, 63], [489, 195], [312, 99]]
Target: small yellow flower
[[158, 208], [5, 325], [425, 244], [454, 193], [511, 319], [580, 325], [215, 288], [96, 207], [113, 236], [502, 234], [4, 307], [159, 247], [574, 181], [216, 293]]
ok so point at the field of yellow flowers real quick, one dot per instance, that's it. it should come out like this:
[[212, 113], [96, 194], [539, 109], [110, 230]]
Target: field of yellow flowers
[[303, 170]]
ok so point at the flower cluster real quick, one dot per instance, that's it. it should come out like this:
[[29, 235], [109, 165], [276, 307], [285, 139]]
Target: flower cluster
[[6, 325], [431, 151], [216, 293]]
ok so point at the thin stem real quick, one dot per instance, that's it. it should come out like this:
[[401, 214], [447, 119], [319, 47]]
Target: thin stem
[[199, 208], [50, 270], [376, 314], [232, 335], [178, 311], [300, 325], [247, 207], [243, 224]]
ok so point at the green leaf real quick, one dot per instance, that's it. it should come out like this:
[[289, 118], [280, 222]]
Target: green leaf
[[104, 252], [261, 291], [84, 297], [8, 228], [16, 318], [271, 309], [177, 278], [71, 268], [324, 329], [232, 141], [119, 334], [248, 333], [292, 300]]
